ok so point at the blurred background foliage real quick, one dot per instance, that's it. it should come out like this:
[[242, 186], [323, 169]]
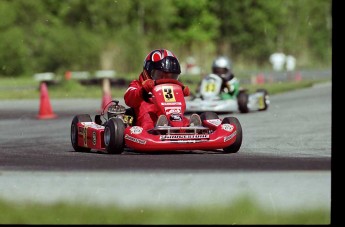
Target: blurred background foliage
[[88, 35]]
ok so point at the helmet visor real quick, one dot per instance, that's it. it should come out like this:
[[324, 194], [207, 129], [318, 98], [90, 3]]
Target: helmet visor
[[220, 71], [158, 74], [168, 64]]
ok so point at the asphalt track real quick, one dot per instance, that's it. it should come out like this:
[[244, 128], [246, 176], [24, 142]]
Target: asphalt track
[[284, 161]]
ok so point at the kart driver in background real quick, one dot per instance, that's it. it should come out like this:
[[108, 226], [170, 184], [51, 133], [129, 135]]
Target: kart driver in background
[[222, 67], [158, 64]]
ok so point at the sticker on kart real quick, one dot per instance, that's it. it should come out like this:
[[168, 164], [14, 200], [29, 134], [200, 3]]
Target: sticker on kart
[[168, 93], [227, 138], [227, 127], [92, 125], [261, 102], [135, 140], [172, 110], [136, 130], [210, 86], [184, 137]]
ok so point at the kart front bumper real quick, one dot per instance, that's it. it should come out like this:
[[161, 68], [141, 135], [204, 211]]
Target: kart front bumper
[[224, 136]]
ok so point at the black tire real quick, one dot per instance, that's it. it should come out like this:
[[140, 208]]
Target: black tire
[[113, 136], [235, 147], [266, 98], [242, 101], [74, 131], [208, 115]]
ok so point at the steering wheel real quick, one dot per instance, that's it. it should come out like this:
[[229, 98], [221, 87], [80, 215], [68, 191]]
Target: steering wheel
[[161, 81], [168, 81]]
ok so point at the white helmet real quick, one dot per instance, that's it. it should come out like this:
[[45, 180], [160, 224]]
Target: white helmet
[[222, 67]]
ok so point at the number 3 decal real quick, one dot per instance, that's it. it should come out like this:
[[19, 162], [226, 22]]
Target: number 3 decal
[[168, 94]]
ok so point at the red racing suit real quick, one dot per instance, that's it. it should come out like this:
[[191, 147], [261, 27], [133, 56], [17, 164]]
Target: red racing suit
[[146, 112]]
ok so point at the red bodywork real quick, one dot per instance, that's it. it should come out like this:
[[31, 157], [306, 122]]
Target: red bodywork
[[91, 135], [170, 100]]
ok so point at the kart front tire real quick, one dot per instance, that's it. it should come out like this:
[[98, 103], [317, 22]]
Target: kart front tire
[[242, 101], [74, 131], [113, 136], [208, 115], [235, 147]]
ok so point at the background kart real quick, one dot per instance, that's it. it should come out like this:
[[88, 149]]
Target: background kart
[[119, 129], [210, 99]]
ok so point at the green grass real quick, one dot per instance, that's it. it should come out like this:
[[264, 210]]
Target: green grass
[[242, 211], [27, 88]]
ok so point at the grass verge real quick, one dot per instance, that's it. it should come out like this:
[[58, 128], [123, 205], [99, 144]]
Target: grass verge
[[242, 211]]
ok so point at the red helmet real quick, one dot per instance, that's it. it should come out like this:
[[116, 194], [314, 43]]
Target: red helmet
[[161, 62]]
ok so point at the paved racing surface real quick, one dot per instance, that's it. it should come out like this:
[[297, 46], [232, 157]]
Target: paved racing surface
[[284, 161]]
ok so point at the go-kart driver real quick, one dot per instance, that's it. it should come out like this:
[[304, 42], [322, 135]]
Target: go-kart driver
[[158, 64], [221, 66]]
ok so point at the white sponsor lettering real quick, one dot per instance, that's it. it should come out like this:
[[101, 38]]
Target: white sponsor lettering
[[135, 140], [171, 103], [178, 137], [230, 136]]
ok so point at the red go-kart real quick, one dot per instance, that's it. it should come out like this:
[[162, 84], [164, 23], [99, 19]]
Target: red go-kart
[[118, 131]]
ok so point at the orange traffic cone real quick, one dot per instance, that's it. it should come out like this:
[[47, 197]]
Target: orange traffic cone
[[45, 111], [298, 77], [68, 75], [106, 99], [260, 78]]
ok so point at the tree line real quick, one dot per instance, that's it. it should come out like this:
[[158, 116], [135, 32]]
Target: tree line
[[87, 35]]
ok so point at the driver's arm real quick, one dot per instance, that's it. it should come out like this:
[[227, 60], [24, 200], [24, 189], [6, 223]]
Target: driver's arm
[[134, 95], [233, 86]]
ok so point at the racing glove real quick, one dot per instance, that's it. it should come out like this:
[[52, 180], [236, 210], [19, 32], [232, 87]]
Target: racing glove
[[148, 85], [186, 91], [231, 87]]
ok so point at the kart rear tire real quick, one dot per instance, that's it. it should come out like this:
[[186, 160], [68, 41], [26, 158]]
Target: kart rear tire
[[74, 131], [235, 147], [266, 98], [113, 136], [242, 101]]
